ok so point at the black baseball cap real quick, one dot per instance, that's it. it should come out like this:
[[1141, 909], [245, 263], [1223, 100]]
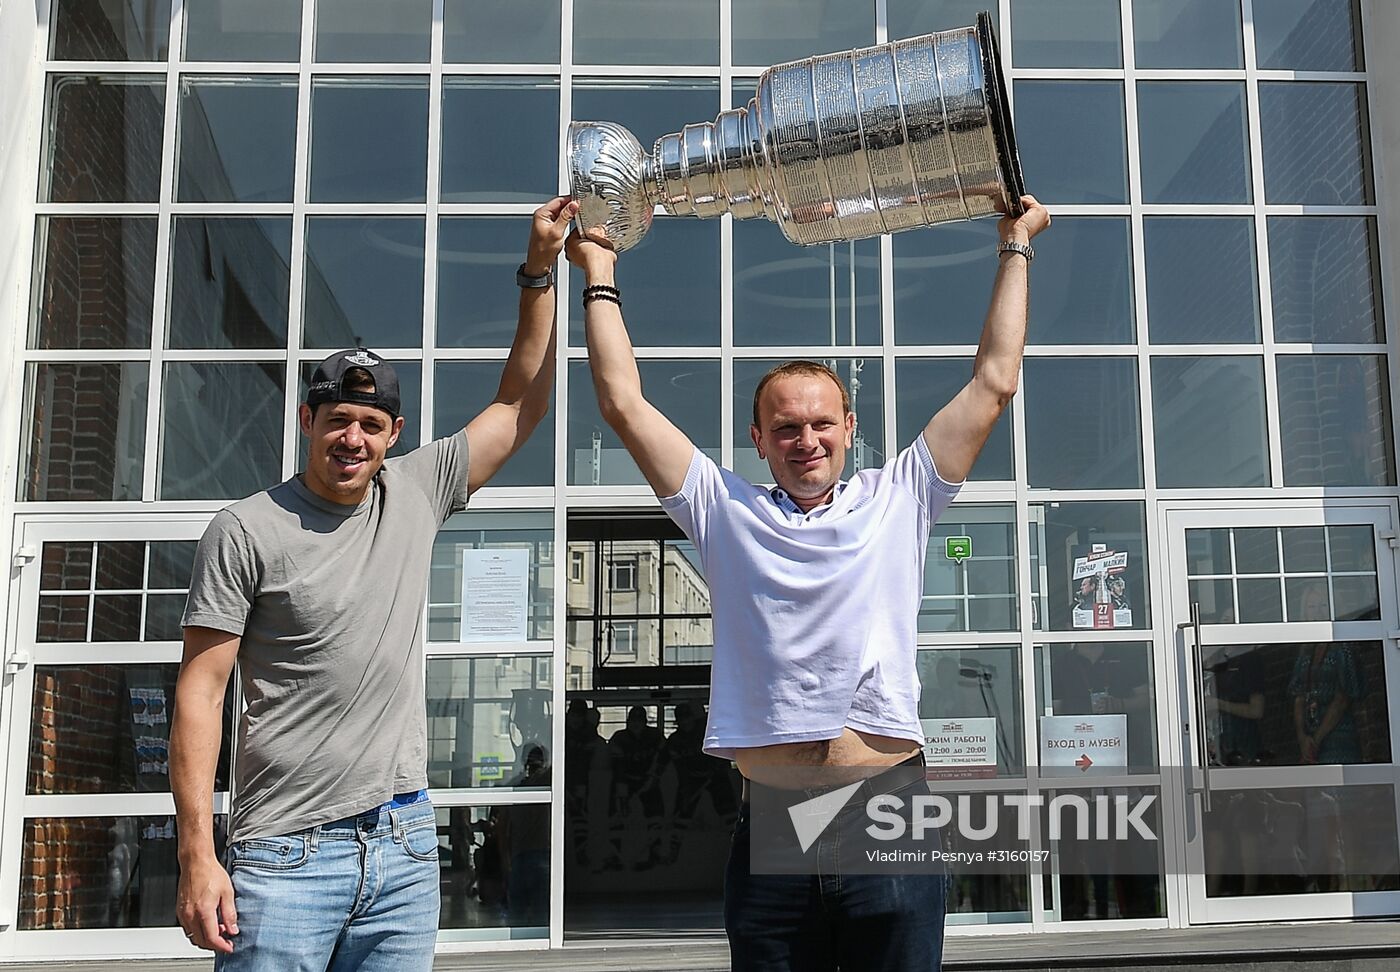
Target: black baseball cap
[[328, 381]]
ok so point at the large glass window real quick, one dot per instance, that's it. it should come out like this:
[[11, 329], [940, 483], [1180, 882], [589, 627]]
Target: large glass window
[[943, 283], [1073, 140], [1334, 412], [925, 385], [976, 592], [221, 429], [767, 32], [243, 30], [237, 139], [490, 722], [1208, 421], [504, 31], [1088, 567], [1308, 35], [373, 30], [364, 282], [94, 30], [95, 282], [1083, 283], [103, 138], [478, 303], [1202, 280], [1071, 33], [1317, 150], [230, 279], [1082, 423], [826, 295], [526, 535], [1110, 680], [1325, 275], [686, 391], [1188, 34], [651, 107], [981, 689], [1194, 142], [488, 154], [87, 431], [909, 18], [461, 390], [657, 32], [369, 140]]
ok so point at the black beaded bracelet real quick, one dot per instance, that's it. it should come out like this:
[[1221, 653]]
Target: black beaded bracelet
[[601, 289], [589, 296]]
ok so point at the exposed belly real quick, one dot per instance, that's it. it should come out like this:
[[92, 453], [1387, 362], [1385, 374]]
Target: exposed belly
[[853, 755]]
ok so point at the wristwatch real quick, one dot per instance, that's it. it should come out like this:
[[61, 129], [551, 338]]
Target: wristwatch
[[1011, 246], [529, 282]]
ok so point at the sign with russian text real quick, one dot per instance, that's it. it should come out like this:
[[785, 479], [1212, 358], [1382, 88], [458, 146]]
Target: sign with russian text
[[960, 749], [495, 594], [1084, 742]]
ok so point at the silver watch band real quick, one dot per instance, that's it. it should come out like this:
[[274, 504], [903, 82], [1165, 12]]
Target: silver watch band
[[1011, 246], [528, 282]]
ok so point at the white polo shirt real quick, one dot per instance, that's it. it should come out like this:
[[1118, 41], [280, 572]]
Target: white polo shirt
[[815, 614]]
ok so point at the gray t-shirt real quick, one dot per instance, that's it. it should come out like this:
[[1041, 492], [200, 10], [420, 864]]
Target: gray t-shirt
[[328, 600]]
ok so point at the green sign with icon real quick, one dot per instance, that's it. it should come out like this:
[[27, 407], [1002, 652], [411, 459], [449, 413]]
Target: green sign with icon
[[957, 549]]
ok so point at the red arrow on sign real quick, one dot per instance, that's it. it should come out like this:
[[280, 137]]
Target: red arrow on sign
[[1083, 762]]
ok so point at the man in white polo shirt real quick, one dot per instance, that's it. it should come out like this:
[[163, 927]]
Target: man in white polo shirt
[[815, 586]]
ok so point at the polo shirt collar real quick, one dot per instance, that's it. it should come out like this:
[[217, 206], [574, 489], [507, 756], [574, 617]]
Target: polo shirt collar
[[785, 503]]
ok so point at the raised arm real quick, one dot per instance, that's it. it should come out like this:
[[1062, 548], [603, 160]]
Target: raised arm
[[522, 399], [661, 450], [204, 904], [957, 433]]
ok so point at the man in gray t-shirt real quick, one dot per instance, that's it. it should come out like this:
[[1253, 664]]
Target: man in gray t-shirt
[[316, 588]]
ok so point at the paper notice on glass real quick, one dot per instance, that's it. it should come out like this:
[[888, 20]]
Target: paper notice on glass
[[495, 594], [1082, 742], [960, 749]]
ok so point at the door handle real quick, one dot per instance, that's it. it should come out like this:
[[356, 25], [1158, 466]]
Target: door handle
[[1198, 731]]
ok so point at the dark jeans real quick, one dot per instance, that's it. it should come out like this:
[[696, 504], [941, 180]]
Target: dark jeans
[[832, 919]]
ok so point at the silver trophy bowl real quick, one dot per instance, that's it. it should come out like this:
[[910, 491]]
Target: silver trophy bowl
[[835, 147]]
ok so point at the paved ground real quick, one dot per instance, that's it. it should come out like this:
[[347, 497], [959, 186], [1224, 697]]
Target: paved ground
[[1367, 946]]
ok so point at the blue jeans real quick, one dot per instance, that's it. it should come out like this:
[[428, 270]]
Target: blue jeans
[[836, 918], [360, 893]]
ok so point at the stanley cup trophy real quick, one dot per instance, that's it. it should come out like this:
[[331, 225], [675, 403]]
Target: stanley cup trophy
[[834, 147]]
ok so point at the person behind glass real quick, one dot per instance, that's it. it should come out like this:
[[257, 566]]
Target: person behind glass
[[316, 588], [1325, 685], [816, 586]]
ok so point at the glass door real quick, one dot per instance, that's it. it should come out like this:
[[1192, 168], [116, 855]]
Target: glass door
[[1288, 687], [87, 860]]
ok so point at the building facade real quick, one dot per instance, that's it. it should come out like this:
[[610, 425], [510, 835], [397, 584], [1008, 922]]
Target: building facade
[[1185, 526]]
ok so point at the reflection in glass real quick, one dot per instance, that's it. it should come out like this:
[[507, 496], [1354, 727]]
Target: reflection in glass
[[1256, 550], [766, 32], [474, 252], [826, 295], [1307, 599], [489, 722], [62, 619], [95, 285], [106, 729], [103, 138], [487, 154], [976, 683], [1073, 140], [87, 433], [1202, 280], [1188, 34], [1216, 599], [1209, 421], [116, 617], [221, 429], [1325, 272], [686, 392], [942, 282], [665, 307], [230, 279], [1351, 548], [1102, 678], [1308, 35], [980, 592], [1208, 551], [243, 30], [164, 614], [1193, 142], [1317, 151], [369, 140], [1103, 879], [364, 282], [500, 31], [643, 798], [120, 565], [657, 32], [1082, 428], [66, 565], [1337, 697], [1084, 292], [533, 532], [864, 382], [1355, 599], [94, 30], [1337, 413], [373, 30], [1295, 840], [908, 18], [1065, 532], [1260, 600], [237, 139], [101, 872], [495, 867], [651, 107], [461, 390], [1071, 33], [925, 385]]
